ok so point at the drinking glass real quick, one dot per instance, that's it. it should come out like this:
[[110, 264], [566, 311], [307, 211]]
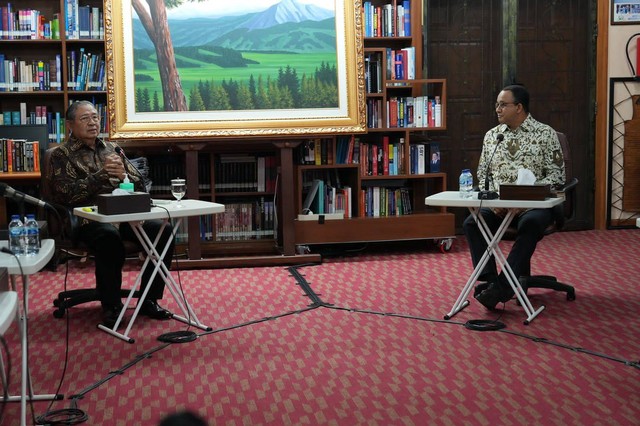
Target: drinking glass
[[178, 189]]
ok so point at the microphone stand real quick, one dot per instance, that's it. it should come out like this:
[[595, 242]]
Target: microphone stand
[[486, 194]]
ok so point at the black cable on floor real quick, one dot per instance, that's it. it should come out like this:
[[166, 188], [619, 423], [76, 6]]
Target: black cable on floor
[[318, 303], [63, 416], [183, 336], [485, 323]]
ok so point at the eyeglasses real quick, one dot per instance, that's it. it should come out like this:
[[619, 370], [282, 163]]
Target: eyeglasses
[[501, 105], [87, 118]]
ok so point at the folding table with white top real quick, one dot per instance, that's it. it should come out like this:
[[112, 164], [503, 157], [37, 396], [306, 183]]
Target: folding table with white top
[[164, 210], [453, 199], [25, 266]]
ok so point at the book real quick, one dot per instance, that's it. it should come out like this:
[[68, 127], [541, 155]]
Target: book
[[311, 196], [420, 159], [321, 217], [23, 113], [434, 157]]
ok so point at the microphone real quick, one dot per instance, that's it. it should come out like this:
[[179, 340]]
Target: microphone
[[8, 192], [120, 152], [486, 194]]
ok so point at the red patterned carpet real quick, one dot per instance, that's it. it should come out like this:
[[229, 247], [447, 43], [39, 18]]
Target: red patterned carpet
[[358, 339]]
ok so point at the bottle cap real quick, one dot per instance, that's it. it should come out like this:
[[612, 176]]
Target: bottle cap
[[126, 185]]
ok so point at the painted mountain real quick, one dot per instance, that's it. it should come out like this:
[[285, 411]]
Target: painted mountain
[[280, 58], [286, 26]]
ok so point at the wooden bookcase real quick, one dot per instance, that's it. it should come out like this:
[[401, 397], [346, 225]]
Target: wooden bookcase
[[199, 160], [393, 90], [25, 95]]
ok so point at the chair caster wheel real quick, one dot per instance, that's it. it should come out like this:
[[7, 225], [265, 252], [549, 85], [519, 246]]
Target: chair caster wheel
[[445, 245], [57, 302], [58, 313], [571, 295]]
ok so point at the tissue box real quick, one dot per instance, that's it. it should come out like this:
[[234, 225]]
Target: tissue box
[[536, 192], [134, 202]]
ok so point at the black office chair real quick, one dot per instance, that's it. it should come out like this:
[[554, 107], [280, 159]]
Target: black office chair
[[61, 224], [561, 213]]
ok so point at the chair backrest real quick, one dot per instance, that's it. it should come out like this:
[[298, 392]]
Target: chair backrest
[[45, 165], [60, 223], [566, 211]]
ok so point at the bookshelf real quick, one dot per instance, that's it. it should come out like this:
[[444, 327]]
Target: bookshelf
[[44, 67], [387, 171], [36, 80]]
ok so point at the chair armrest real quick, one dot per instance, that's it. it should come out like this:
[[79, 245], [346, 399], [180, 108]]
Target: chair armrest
[[62, 223], [567, 186]]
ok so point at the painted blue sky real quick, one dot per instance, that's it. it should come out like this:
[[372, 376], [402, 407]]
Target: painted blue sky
[[212, 8]]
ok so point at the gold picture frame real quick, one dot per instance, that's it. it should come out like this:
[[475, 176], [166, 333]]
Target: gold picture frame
[[127, 120]]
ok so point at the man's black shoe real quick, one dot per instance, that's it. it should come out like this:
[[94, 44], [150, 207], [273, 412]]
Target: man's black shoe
[[151, 309], [110, 315], [489, 298]]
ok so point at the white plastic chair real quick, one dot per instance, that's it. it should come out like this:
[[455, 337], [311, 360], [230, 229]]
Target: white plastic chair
[[8, 314]]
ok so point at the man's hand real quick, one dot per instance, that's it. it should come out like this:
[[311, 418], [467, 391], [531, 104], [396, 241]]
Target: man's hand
[[114, 166]]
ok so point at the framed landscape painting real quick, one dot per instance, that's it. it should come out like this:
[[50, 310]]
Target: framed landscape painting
[[205, 68]]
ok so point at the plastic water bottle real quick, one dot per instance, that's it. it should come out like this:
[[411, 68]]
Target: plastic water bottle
[[32, 233], [466, 183], [16, 235]]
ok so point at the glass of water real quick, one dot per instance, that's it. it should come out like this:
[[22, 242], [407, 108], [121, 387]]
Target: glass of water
[[178, 189]]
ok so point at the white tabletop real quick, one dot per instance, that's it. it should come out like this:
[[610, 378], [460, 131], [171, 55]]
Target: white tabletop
[[164, 208], [30, 264], [453, 199]]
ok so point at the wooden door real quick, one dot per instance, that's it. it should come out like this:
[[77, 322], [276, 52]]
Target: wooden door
[[480, 46]]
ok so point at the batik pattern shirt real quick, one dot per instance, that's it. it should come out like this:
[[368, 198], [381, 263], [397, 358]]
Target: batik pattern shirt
[[533, 145], [77, 173]]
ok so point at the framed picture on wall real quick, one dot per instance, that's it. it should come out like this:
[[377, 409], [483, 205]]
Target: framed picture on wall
[[625, 12], [198, 69]]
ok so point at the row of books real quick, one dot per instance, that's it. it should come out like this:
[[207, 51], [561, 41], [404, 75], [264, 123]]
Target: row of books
[[387, 20], [83, 22], [245, 173], [385, 159], [382, 201], [86, 71], [405, 112], [17, 75], [399, 64], [316, 151], [324, 197], [38, 115], [27, 24], [19, 155], [41, 115], [80, 22], [376, 159], [163, 169], [243, 221]]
